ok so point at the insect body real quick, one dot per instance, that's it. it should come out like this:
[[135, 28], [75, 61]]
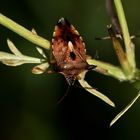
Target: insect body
[[68, 50]]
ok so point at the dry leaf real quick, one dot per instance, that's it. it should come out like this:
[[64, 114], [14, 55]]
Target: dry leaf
[[17, 58], [125, 109], [39, 69], [94, 91]]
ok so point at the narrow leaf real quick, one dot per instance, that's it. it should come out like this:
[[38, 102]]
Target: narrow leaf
[[94, 91], [41, 51], [13, 60], [39, 69], [13, 48], [125, 109]]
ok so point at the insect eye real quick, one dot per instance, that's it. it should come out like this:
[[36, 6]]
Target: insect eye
[[72, 55]]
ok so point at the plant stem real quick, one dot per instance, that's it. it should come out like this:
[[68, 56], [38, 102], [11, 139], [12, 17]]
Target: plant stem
[[127, 40], [20, 30], [119, 52], [108, 69]]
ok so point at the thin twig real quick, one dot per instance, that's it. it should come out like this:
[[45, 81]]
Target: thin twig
[[130, 53], [20, 30]]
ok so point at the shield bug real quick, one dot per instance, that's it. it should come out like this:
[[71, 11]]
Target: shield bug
[[68, 51]]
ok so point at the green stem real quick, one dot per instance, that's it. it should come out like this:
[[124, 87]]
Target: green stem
[[108, 69], [119, 52], [127, 40], [20, 30]]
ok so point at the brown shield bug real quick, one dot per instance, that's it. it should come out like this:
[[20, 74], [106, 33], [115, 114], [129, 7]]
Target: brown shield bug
[[68, 51]]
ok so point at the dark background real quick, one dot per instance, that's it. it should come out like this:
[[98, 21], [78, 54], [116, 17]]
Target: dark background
[[28, 102]]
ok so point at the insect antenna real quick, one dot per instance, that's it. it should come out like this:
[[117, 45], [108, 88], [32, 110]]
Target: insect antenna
[[64, 96]]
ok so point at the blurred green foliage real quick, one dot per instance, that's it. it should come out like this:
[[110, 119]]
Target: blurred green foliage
[[28, 109]]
